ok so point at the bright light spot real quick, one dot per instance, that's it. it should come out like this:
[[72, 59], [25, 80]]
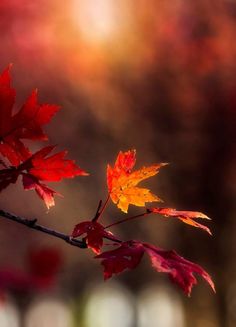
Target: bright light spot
[[109, 306], [48, 313], [9, 316], [159, 307], [97, 20]]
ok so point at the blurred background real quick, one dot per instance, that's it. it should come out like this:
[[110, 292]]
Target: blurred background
[[158, 76]]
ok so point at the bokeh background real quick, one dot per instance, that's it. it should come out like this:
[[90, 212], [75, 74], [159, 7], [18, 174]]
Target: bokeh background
[[158, 76]]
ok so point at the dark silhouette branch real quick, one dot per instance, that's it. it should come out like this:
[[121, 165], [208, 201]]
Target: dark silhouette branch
[[32, 223]]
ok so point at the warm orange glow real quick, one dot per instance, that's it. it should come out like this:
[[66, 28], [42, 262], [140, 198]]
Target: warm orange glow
[[96, 20]]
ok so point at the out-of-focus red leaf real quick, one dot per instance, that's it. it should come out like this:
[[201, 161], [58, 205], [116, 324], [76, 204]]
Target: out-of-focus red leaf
[[44, 265], [179, 269], [25, 124], [127, 256], [186, 216], [95, 233], [7, 100], [15, 279]]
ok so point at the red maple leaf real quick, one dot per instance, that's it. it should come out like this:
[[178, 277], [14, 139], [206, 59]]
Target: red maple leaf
[[130, 253], [95, 233], [179, 269], [8, 176], [25, 124], [43, 191], [52, 168], [127, 256], [41, 167]]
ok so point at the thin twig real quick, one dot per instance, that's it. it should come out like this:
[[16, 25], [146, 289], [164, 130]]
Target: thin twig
[[32, 223], [128, 219], [97, 214], [102, 209]]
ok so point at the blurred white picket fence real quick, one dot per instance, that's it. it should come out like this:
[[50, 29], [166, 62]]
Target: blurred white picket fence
[[107, 305]]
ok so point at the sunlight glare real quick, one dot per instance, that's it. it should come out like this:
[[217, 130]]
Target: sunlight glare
[[96, 20]]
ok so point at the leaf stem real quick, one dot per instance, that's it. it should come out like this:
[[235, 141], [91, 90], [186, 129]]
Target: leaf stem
[[32, 223], [128, 219], [100, 212]]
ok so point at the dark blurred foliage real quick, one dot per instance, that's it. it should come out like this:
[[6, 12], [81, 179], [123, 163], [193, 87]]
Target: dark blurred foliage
[[157, 76], [40, 273]]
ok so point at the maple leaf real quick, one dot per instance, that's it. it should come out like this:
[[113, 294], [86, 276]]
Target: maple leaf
[[43, 191], [179, 269], [52, 168], [127, 256], [186, 216], [41, 167], [25, 124], [8, 176], [122, 183], [95, 233], [130, 253]]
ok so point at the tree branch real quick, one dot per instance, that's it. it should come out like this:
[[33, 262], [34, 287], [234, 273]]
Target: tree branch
[[32, 223]]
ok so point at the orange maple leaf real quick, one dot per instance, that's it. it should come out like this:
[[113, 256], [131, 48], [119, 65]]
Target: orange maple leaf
[[188, 217], [122, 183]]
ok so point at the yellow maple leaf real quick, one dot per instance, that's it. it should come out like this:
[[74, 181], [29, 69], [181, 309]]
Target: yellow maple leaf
[[122, 183]]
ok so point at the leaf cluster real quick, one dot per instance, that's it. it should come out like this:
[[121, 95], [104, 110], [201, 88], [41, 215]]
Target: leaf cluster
[[35, 169]]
